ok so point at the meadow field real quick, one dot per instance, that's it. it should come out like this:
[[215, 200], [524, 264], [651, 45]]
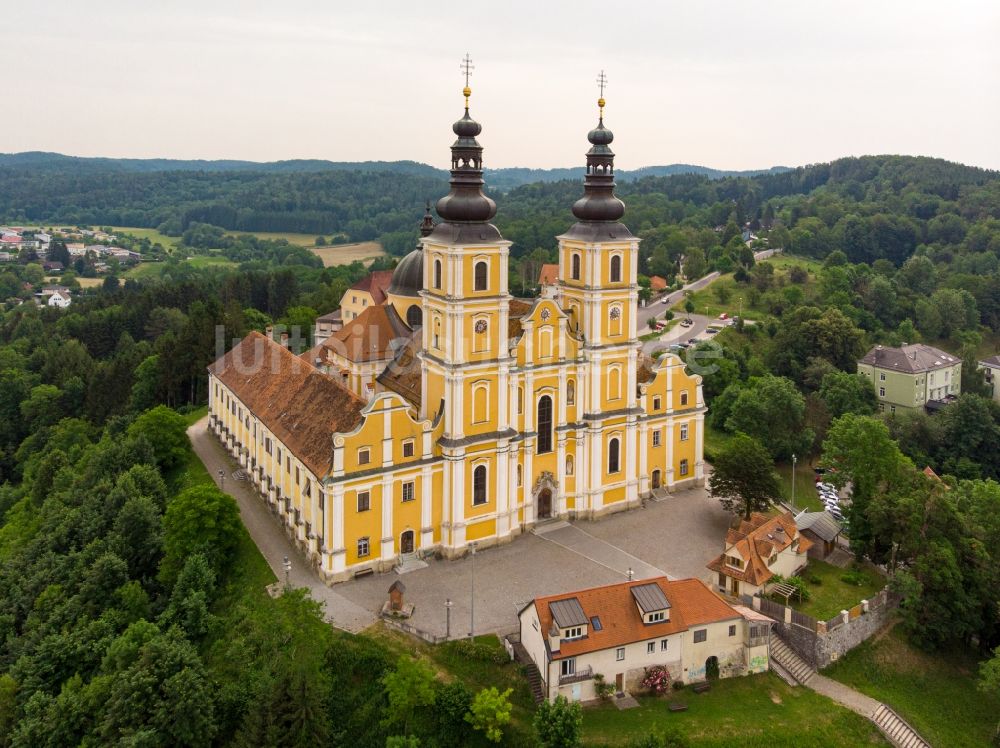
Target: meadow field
[[345, 254]]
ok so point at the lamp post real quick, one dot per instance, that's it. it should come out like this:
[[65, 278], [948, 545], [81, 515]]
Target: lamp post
[[472, 609], [447, 618], [740, 315], [287, 565], [630, 573], [794, 460]]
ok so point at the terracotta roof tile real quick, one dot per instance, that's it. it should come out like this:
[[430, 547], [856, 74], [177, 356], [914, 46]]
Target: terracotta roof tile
[[299, 404], [518, 309], [754, 542], [375, 283], [549, 274], [403, 373], [373, 335], [691, 604]]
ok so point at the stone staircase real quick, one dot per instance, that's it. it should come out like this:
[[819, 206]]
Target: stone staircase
[[791, 663], [409, 562], [530, 671], [900, 734]]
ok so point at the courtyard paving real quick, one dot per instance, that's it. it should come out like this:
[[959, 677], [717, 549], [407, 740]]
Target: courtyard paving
[[676, 536]]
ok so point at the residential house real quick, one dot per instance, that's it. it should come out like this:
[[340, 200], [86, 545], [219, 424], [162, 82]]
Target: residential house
[[76, 249], [367, 292], [991, 372], [59, 299], [7, 257], [619, 630], [657, 284], [52, 266], [326, 325], [912, 377], [820, 528], [757, 550]]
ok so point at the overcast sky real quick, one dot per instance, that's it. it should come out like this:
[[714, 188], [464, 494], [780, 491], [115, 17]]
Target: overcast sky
[[731, 85]]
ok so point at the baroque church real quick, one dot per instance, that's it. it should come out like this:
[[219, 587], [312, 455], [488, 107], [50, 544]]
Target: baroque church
[[454, 414]]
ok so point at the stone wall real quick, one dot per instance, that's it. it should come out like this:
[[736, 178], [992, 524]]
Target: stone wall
[[822, 642]]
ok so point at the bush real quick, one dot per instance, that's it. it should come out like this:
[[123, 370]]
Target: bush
[[854, 578], [603, 689], [481, 652], [678, 685], [657, 679]]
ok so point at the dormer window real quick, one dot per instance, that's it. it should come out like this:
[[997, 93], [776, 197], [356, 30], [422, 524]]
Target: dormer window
[[652, 603], [576, 632], [735, 562]]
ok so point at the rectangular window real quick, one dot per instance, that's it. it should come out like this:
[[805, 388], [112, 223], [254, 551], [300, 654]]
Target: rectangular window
[[364, 547], [364, 456], [881, 391], [298, 477], [656, 403], [568, 667], [574, 633], [684, 432], [684, 467], [684, 398], [650, 647], [657, 616], [700, 635], [364, 501], [663, 645], [408, 491], [620, 654], [408, 448], [656, 438], [732, 630]]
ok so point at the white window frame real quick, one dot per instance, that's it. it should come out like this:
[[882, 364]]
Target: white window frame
[[620, 654], [412, 487]]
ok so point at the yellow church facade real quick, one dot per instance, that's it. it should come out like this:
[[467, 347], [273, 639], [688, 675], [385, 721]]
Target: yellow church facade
[[494, 414]]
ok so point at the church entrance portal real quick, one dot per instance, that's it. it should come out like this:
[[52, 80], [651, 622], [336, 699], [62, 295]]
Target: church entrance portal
[[545, 504], [406, 542]]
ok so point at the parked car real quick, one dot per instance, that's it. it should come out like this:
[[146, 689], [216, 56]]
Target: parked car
[[711, 330], [723, 316], [692, 341], [687, 322], [665, 299]]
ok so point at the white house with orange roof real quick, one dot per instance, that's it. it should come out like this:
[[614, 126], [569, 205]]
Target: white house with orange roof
[[757, 550], [618, 631]]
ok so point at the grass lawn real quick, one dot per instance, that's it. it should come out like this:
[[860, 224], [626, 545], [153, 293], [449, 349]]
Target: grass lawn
[[805, 486], [756, 710], [170, 242], [715, 440], [933, 691], [833, 594], [345, 254]]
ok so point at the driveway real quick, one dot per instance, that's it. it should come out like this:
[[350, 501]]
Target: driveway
[[676, 536]]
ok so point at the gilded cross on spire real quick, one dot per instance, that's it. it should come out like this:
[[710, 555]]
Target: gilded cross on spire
[[602, 81], [467, 67]]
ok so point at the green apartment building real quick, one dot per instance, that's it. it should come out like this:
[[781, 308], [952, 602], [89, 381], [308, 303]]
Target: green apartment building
[[912, 376]]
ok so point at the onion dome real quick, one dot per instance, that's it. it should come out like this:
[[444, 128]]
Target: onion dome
[[408, 277], [465, 211], [599, 203]]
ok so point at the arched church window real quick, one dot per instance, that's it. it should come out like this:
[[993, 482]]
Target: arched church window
[[544, 424], [575, 267], [616, 269], [437, 273], [614, 457], [414, 316], [479, 485], [482, 272]]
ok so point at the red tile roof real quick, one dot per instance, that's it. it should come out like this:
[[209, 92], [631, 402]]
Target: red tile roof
[[754, 541], [301, 406], [375, 283], [371, 336], [549, 274], [691, 604], [656, 283]]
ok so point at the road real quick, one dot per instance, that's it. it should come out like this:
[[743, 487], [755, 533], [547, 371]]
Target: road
[[656, 308]]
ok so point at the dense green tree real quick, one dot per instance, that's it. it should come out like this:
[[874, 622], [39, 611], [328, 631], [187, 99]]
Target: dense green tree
[[490, 713], [771, 410], [166, 430], [557, 723], [848, 393], [199, 520], [409, 688], [743, 477]]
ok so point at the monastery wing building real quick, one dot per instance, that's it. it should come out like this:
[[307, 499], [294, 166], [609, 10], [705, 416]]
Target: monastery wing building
[[454, 413]]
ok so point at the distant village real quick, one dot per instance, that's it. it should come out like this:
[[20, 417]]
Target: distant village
[[78, 251]]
